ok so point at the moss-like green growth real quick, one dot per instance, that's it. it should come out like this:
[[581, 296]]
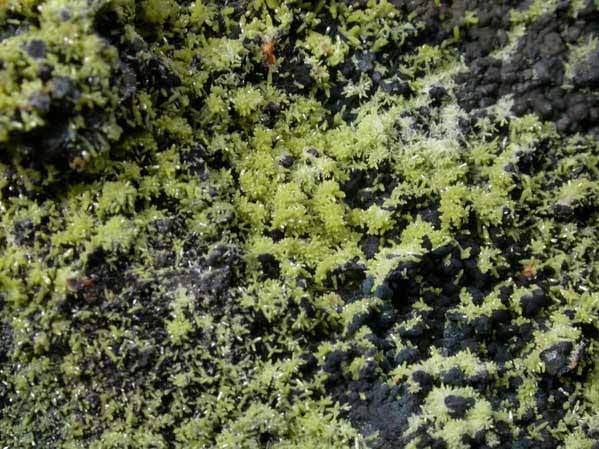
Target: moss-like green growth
[[203, 244], [56, 94]]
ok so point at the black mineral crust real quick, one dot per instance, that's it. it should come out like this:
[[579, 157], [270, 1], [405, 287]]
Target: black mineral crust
[[299, 225]]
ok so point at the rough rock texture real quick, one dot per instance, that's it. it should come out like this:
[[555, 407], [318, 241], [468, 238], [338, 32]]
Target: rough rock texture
[[287, 224]]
